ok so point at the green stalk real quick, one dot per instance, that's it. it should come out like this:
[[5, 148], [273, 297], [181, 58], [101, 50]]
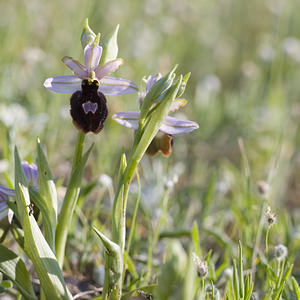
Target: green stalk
[[143, 138], [161, 221], [69, 204], [133, 224]]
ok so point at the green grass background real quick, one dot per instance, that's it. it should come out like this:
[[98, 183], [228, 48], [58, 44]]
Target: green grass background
[[245, 62]]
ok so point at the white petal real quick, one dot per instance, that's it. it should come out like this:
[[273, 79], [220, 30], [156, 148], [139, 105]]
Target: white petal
[[128, 119], [68, 84], [108, 68], [177, 103], [92, 55], [117, 86], [78, 69], [175, 126]]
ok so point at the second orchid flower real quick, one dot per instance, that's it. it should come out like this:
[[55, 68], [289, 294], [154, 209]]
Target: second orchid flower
[[171, 126]]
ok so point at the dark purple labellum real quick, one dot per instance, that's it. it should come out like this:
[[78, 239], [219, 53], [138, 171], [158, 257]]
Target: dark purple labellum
[[88, 107], [162, 142]]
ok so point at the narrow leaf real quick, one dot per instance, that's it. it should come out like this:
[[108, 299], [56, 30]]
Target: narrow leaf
[[40, 253], [14, 268], [195, 236], [48, 196]]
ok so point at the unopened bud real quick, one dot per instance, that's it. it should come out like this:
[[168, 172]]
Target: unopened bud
[[87, 35]]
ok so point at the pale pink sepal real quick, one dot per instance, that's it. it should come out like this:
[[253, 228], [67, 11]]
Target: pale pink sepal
[[117, 86], [175, 126], [78, 69], [128, 119], [151, 80], [67, 84], [108, 68]]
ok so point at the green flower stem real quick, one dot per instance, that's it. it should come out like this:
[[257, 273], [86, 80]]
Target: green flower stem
[[133, 223], [161, 221], [69, 203], [143, 138]]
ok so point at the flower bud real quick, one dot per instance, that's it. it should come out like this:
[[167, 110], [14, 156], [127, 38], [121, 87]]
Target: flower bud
[[280, 252], [87, 35]]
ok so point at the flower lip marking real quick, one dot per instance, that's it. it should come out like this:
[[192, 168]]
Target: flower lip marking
[[88, 107]]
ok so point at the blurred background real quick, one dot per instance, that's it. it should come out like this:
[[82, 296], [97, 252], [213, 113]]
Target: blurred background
[[244, 92]]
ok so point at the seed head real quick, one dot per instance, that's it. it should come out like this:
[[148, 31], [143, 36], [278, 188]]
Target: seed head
[[280, 252], [201, 266], [263, 188], [271, 217]]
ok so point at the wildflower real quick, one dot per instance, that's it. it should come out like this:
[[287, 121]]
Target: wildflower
[[201, 266], [31, 175], [88, 86], [280, 252], [271, 217], [163, 141], [263, 188]]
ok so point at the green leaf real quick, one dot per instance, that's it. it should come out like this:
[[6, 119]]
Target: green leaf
[[235, 281], [14, 268], [110, 46], [48, 197], [113, 268], [296, 288], [40, 253], [282, 282], [117, 219], [19, 178], [241, 271], [130, 265], [189, 279], [195, 236]]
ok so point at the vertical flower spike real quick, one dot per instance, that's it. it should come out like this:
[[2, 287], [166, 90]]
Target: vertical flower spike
[[91, 82]]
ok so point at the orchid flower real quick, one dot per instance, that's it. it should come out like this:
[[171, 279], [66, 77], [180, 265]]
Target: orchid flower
[[31, 174], [88, 86], [171, 126]]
